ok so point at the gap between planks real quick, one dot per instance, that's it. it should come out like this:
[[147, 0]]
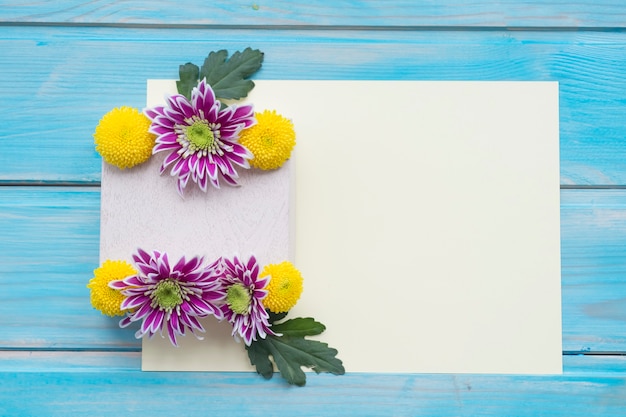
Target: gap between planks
[[309, 27]]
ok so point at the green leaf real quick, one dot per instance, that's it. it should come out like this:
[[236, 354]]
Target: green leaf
[[259, 357], [299, 327], [276, 316], [292, 353], [188, 74], [228, 77]]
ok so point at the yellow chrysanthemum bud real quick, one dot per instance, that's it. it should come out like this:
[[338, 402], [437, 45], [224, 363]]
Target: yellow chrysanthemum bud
[[284, 288], [106, 299], [122, 137], [270, 140]]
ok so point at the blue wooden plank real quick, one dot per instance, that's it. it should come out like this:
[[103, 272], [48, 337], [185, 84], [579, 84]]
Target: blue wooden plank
[[112, 361], [593, 242], [119, 389], [71, 361], [50, 248], [397, 13], [65, 79], [59, 76]]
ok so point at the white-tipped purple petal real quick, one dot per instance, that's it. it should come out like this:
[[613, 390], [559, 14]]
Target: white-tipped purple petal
[[255, 323], [196, 289], [154, 112], [212, 157], [125, 322]]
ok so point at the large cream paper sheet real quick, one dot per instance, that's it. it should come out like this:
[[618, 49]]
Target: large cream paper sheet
[[426, 220]]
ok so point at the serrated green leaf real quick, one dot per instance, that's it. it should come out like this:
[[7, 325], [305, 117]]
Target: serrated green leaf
[[228, 77], [259, 357], [299, 327], [292, 353], [188, 75], [212, 63]]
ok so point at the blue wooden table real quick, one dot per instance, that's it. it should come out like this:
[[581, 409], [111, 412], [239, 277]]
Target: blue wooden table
[[63, 64]]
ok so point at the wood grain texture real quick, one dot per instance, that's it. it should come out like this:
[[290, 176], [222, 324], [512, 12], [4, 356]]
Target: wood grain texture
[[62, 68], [65, 79], [397, 13], [51, 243], [81, 361], [111, 385], [593, 257]]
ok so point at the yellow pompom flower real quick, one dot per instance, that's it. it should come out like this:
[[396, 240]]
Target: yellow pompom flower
[[284, 288], [106, 299], [122, 137], [270, 140]]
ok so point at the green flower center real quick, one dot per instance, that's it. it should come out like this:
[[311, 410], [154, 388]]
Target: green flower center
[[167, 295], [238, 298], [200, 135]]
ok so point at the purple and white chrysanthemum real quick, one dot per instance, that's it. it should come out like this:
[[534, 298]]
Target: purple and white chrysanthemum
[[245, 292], [170, 299], [201, 137]]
